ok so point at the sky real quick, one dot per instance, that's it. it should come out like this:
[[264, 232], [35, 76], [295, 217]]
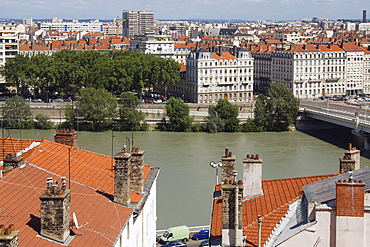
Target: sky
[[186, 9]]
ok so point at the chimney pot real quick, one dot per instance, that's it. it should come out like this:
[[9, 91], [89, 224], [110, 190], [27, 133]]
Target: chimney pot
[[12, 228], [7, 231], [248, 156], [349, 146], [226, 151], [257, 157]]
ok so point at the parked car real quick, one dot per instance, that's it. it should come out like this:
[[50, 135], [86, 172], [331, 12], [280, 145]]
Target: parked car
[[204, 243], [58, 100], [175, 244], [148, 101], [202, 234], [36, 100]]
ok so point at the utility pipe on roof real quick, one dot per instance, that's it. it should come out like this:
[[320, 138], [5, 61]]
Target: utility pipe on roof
[[259, 219], [236, 223]]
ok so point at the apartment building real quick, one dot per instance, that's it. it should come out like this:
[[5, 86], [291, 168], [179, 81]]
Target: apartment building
[[354, 67], [159, 45], [9, 40], [137, 22], [312, 70], [92, 26], [225, 74]]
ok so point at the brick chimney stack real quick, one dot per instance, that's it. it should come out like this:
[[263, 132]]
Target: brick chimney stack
[[66, 136], [137, 169], [252, 176], [55, 211], [232, 229], [350, 160], [12, 161], [8, 236], [228, 164], [122, 178], [350, 223]]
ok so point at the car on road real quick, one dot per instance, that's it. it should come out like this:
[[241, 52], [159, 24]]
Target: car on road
[[175, 244], [204, 243], [202, 234]]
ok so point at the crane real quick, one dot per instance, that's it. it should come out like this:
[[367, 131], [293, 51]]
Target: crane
[[118, 25]]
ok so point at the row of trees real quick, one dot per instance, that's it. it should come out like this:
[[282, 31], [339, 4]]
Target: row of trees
[[275, 112], [98, 109], [69, 71]]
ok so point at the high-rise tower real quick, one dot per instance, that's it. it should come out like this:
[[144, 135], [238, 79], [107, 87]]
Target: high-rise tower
[[137, 22]]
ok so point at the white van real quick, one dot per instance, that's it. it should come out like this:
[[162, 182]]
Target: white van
[[175, 233]]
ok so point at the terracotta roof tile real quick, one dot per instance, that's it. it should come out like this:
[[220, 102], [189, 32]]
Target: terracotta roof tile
[[272, 206], [225, 55], [91, 189]]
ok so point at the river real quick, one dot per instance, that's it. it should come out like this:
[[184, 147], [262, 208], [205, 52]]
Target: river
[[185, 183]]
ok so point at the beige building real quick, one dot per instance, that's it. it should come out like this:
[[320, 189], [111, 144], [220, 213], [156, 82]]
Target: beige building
[[225, 74]]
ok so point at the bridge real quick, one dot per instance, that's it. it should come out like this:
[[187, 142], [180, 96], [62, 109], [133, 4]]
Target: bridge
[[347, 114]]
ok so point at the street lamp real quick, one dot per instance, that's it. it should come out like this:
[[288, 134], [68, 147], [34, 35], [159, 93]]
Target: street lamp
[[216, 165]]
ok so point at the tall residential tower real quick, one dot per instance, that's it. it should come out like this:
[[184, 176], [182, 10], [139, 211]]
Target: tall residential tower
[[137, 22]]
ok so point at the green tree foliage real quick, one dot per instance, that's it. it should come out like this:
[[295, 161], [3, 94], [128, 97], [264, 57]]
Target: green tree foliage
[[43, 121], [96, 106], [276, 112], [213, 123], [17, 113], [178, 113], [222, 117], [68, 71], [129, 117]]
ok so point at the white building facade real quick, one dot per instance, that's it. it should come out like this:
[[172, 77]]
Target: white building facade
[[220, 75]]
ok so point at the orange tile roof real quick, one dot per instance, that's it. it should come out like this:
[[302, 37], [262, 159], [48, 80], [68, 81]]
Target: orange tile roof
[[330, 48], [225, 55], [20, 203], [272, 206], [351, 47], [92, 185]]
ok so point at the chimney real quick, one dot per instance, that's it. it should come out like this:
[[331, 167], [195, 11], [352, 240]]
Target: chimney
[[252, 176], [122, 177], [350, 160], [66, 136], [8, 236], [220, 51], [234, 51], [12, 161], [232, 197], [350, 223], [137, 170], [55, 211], [228, 164]]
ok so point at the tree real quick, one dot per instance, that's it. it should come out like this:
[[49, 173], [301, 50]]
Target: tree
[[178, 113], [129, 117], [276, 112], [43, 122], [213, 123], [17, 113], [97, 106], [222, 117]]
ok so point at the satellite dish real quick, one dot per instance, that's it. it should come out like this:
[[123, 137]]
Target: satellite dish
[[75, 219], [75, 222]]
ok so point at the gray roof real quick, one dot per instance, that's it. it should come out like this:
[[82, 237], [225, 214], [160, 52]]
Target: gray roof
[[324, 190]]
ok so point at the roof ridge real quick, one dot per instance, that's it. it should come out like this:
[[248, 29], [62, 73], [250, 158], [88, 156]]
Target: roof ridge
[[303, 177]]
